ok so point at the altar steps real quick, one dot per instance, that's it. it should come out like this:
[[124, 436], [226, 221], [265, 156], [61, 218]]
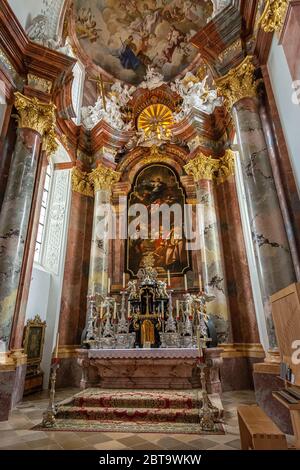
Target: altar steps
[[158, 415], [134, 411], [139, 406], [138, 399]]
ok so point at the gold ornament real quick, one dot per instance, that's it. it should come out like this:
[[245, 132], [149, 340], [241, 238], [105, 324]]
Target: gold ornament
[[38, 83], [239, 83], [103, 178], [34, 114], [273, 15], [226, 166], [156, 119], [202, 167], [81, 183], [50, 144]]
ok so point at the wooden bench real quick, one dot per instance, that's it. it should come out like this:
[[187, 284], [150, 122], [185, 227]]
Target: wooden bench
[[257, 430]]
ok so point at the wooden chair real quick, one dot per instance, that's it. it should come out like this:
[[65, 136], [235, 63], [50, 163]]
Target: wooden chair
[[257, 430]]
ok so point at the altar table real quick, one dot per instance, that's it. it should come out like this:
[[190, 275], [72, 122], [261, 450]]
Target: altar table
[[149, 368]]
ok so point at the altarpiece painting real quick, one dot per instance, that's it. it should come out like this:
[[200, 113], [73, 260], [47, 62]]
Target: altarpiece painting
[[154, 186]]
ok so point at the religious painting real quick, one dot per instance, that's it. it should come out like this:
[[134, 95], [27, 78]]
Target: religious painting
[[34, 340], [156, 187], [125, 36]]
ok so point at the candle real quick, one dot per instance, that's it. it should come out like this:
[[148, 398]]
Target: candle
[[199, 343], [108, 286], [177, 308], [162, 308], [102, 280], [124, 280], [185, 283], [200, 283], [128, 310], [115, 310], [56, 347], [101, 311], [169, 279]]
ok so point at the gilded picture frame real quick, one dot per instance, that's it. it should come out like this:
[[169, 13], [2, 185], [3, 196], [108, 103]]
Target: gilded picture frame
[[34, 337]]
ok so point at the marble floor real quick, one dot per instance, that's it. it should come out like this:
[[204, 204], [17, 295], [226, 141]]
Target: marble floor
[[17, 433]]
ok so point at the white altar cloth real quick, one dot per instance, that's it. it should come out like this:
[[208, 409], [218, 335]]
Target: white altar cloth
[[153, 353]]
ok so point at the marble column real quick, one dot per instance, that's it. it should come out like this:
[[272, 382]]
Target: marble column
[[270, 243], [203, 169], [102, 180], [35, 119], [241, 302]]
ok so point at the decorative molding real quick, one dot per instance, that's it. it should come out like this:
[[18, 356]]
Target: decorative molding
[[273, 16], [242, 350], [226, 166], [34, 114], [38, 83], [103, 178], [239, 83], [81, 183], [56, 220], [202, 167]]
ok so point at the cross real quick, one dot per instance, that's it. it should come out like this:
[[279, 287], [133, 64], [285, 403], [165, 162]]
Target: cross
[[100, 87]]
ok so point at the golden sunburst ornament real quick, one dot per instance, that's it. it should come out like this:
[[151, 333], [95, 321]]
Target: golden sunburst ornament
[[156, 119]]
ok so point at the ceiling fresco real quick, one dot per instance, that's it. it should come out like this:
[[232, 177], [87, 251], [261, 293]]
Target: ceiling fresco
[[126, 36]]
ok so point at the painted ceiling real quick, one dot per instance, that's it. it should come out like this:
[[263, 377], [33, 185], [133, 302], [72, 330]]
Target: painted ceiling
[[123, 37]]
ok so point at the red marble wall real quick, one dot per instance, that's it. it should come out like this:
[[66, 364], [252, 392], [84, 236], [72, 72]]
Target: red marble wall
[[75, 286], [290, 38], [242, 309]]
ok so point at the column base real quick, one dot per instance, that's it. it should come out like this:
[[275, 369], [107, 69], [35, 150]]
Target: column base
[[12, 380]]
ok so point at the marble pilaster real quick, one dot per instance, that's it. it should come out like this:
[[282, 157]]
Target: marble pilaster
[[76, 273], [242, 308], [203, 169], [274, 262]]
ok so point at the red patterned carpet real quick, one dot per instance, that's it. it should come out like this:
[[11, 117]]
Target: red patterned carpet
[[134, 411]]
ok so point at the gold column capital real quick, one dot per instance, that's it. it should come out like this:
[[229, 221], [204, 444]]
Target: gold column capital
[[273, 15], [34, 114], [226, 166], [81, 183], [103, 178], [239, 83], [202, 167], [40, 117]]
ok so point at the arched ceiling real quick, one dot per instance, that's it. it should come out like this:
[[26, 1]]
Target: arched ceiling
[[123, 37]]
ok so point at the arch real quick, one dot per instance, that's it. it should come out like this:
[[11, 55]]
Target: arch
[[171, 155]]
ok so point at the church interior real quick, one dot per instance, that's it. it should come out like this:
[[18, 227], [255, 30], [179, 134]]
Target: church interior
[[149, 225]]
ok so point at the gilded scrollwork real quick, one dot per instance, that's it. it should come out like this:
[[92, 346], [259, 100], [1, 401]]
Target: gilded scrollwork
[[239, 83], [81, 183], [202, 167], [34, 114], [226, 166], [214, 169], [103, 178], [273, 15]]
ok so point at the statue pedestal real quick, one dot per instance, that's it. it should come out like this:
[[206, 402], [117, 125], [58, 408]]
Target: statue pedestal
[[148, 368]]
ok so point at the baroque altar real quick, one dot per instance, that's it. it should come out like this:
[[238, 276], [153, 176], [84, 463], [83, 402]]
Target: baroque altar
[[147, 318]]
